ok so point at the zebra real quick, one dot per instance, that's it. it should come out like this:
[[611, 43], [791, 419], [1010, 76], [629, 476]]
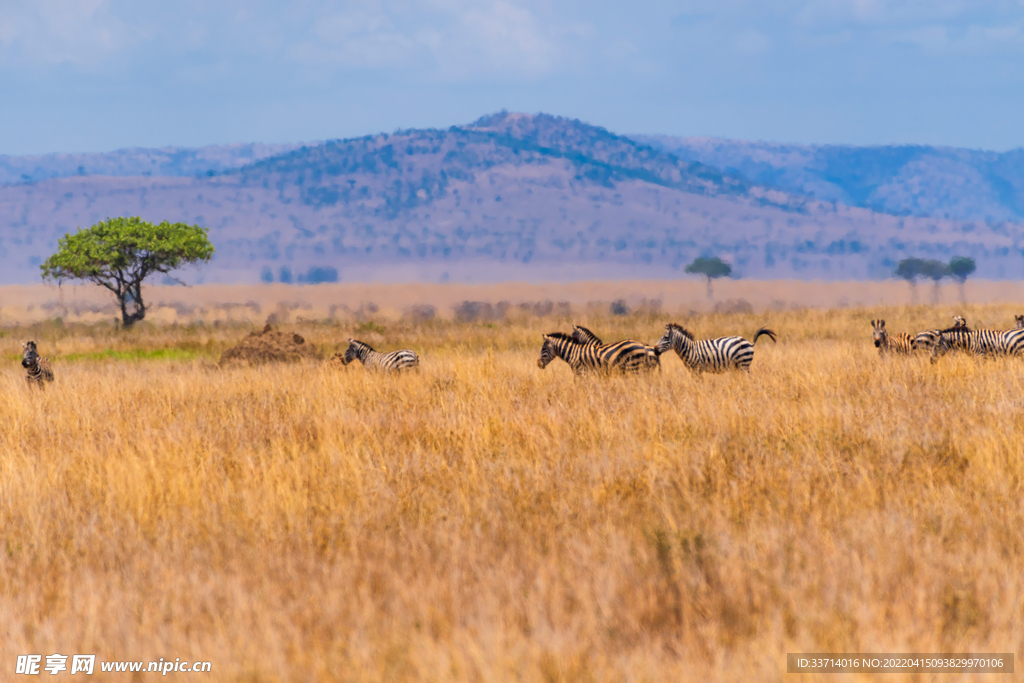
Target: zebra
[[624, 356], [979, 342], [394, 361], [929, 339], [584, 336], [39, 368], [711, 355], [984, 342], [902, 343], [1019, 320]]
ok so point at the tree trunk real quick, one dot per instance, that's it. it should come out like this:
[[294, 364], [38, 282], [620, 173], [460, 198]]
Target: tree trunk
[[960, 284], [935, 293], [129, 319], [913, 291], [710, 293]]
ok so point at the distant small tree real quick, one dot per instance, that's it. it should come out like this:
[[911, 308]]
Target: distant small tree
[[960, 267], [119, 253], [936, 270], [711, 268], [910, 269], [319, 274]]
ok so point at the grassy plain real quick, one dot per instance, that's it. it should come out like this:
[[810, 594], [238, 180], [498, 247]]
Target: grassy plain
[[483, 520]]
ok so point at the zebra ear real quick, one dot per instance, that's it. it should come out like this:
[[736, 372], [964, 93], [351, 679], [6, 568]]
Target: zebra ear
[[881, 323], [350, 340], [874, 323]]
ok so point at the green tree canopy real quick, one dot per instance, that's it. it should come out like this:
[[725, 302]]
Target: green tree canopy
[[961, 267], [910, 269], [935, 270], [711, 268], [119, 253]]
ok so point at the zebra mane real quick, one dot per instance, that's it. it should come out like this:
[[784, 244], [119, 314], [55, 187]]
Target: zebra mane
[[578, 332], [359, 344], [562, 335], [672, 327]]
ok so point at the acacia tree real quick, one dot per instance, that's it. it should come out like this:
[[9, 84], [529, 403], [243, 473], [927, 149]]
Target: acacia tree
[[936, 270], [711, 268], [910, 269], [119, 253], [960, 267]]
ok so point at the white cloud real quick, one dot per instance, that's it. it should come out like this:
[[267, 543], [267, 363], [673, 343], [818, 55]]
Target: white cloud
[[80, 32], [454, 38]]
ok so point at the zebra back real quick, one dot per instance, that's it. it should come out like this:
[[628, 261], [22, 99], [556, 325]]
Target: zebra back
[[403, 359], [1008, 342], [958, 338], [710, 355], [625, 356]]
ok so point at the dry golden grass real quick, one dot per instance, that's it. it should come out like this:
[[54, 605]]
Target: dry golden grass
[[483, 520]]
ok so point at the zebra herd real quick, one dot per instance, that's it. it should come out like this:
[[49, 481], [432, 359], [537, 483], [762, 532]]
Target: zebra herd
[[959, 337], [584, 351]]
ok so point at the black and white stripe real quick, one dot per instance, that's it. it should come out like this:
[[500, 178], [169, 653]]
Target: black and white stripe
[[902, 343], [989, 342], [393, 361], [39, 368], [711, 355], [585, 336], [624, 356], [929, 340]]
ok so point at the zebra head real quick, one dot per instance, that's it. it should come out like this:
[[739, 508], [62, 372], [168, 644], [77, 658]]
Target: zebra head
[[554, 347], [584, 336], [355, 351], [674, 338], [959, 321], [879, 332], [1019, 319], [29, 356]]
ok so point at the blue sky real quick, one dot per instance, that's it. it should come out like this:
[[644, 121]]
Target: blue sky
[[92, 75]]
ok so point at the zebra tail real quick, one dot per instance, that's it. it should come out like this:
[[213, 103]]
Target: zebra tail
[[765, 331]]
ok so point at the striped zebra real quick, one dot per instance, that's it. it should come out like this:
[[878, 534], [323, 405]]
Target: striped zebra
[[929, 339], [624, 356], [983, 342], [902, 343], [585, 336], [1019, 320], [711, 355], [39, 368], [394, 361]]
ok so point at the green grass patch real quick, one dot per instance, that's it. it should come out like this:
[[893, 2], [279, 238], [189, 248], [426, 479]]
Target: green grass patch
[[136, 355]]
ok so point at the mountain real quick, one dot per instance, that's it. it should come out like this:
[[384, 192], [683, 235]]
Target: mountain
[[510, 196], [166, 161], [905, 180]]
